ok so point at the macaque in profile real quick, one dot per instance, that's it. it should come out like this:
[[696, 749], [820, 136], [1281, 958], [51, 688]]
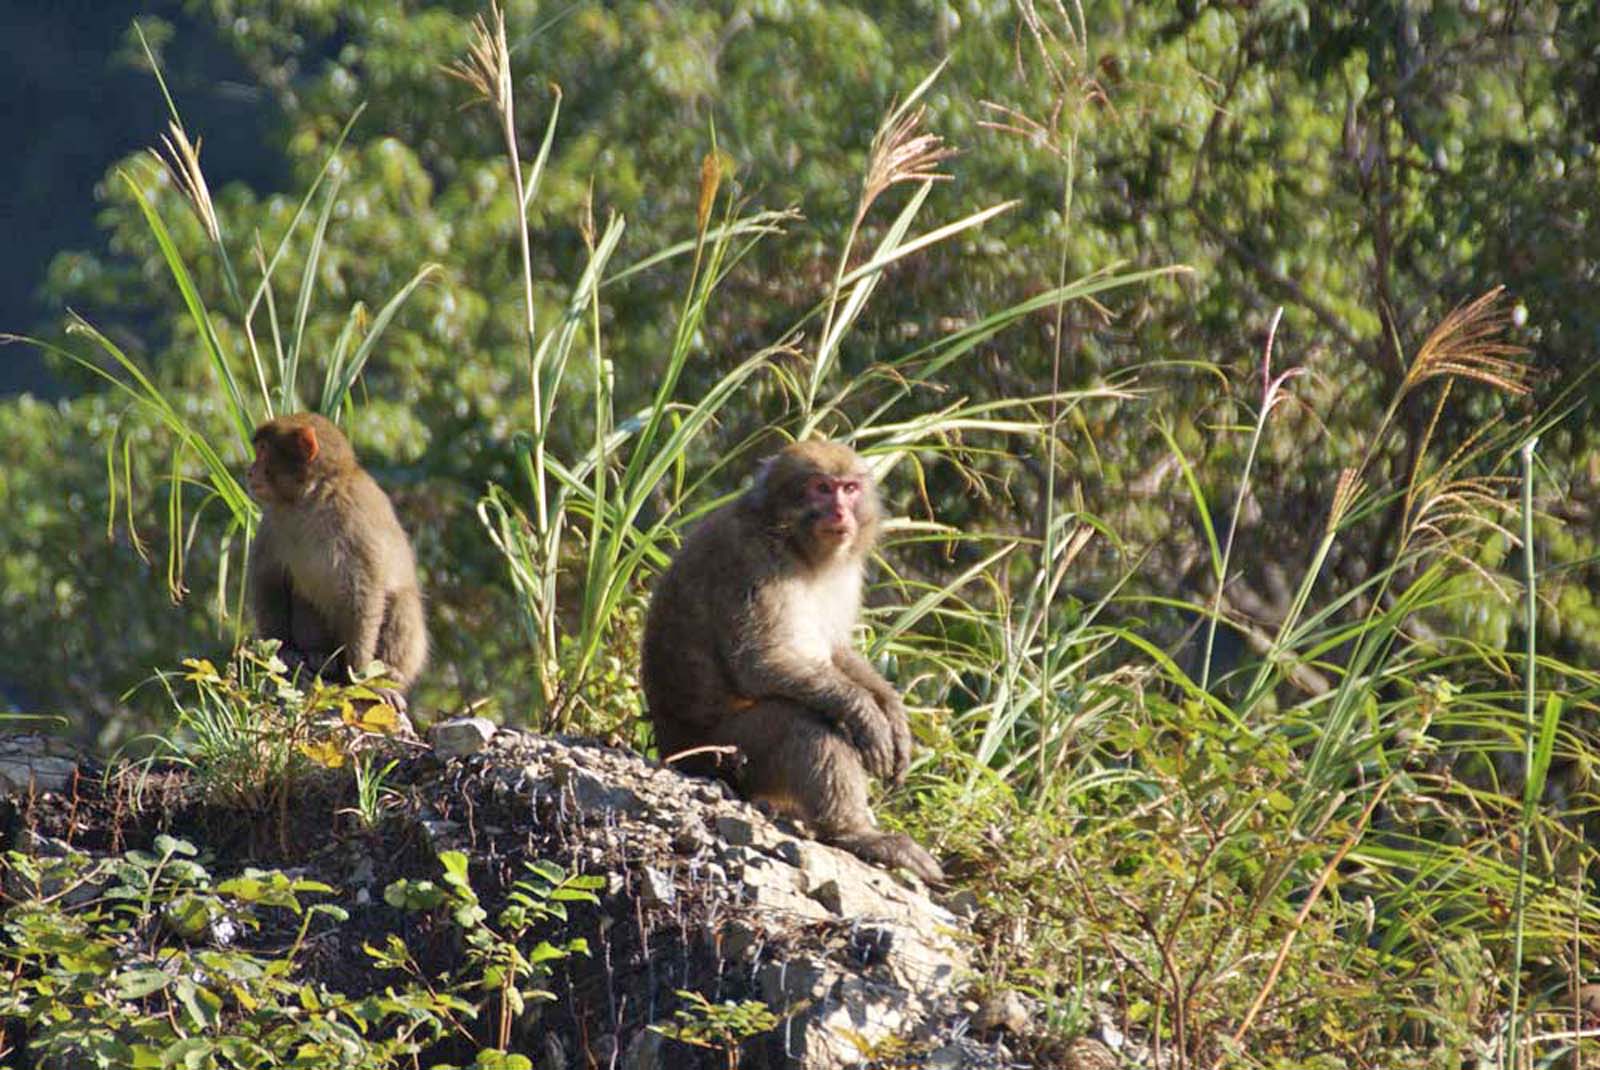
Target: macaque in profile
[[331, 573], [748, 645]]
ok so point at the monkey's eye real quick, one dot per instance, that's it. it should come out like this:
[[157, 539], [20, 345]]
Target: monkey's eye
[[819, 487], [851, 487]]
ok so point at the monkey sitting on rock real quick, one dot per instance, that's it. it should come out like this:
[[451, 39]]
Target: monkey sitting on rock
[[332, 573], [748, 645]]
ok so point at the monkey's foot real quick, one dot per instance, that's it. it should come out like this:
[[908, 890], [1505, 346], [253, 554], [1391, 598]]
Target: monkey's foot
[[891, 850], [395, 699], [295, 662]]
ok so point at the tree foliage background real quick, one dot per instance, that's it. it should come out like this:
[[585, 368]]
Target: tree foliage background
[[1368, 166]]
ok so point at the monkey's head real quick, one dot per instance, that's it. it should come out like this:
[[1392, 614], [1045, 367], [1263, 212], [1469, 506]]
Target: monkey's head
[[292, 454], [821, 497]]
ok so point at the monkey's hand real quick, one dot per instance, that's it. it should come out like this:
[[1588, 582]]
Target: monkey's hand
[[870, 729], [894, 712]]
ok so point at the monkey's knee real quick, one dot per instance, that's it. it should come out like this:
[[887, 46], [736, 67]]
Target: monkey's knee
[[795, 761], [837, 807]]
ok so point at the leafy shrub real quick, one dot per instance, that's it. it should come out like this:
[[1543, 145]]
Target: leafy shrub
[[146, 960]]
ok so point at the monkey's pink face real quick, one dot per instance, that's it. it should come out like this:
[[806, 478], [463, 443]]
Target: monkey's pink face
[[833, 502]]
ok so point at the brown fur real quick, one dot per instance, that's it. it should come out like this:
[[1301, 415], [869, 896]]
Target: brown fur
[[747, 645], [331, 574]]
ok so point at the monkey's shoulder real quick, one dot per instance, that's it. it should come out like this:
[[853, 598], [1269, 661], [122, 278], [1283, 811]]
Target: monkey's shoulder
[[712, 582], [725, 543], [370, 499]]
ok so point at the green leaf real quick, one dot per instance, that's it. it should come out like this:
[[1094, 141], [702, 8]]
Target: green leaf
[[143, 1057], [405, 894], [136, 984], [202, 1004], [546, 869], [191, 1053], [544, 951], [188, 915], [1544, 748], [455, 869]]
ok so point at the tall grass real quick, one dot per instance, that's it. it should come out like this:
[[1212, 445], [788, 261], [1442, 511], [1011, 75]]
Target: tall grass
[[1250, 825], [1347, 789], [628, 495], [1370, 786]]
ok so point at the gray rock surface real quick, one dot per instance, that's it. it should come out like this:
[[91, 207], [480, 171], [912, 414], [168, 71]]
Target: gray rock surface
[[461, 736], [35, 763], [846, 954]]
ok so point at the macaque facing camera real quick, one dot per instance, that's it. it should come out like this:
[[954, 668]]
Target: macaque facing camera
[[748, 645]]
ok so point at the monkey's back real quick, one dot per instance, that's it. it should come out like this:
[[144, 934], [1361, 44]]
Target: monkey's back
[[683, 671], [403, 636]]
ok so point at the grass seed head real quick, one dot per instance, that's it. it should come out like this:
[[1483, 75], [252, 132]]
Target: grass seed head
[[901, 154], [486, 67], [1467, 344], [181, 158]]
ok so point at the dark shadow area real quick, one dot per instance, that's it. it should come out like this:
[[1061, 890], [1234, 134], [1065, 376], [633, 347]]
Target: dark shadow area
[[73, 106]]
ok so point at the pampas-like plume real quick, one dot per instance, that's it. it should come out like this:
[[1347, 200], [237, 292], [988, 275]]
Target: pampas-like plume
[[900, 154], [487, 64], [1345, 493], [1466, 344]]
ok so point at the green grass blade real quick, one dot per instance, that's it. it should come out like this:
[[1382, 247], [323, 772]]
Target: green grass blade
[[1198, 496], [288, 396], [331, 403], [197, 312], [536, 172], [828, 348], [757, 226], [885, 256]]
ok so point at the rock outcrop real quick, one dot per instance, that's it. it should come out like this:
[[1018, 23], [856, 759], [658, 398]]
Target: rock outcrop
[[704, 894]]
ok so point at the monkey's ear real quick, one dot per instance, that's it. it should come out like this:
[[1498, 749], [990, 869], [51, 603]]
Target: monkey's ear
[[761, 489], [303, 441]]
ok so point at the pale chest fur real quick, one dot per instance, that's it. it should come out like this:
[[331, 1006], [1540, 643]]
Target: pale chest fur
[[322, 569], [821, 611], [325, 559]]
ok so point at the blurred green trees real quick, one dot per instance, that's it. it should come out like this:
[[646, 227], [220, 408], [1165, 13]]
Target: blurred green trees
[[1368, 166]]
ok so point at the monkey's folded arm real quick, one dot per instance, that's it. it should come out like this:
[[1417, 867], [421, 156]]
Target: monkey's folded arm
[[859, 669]]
